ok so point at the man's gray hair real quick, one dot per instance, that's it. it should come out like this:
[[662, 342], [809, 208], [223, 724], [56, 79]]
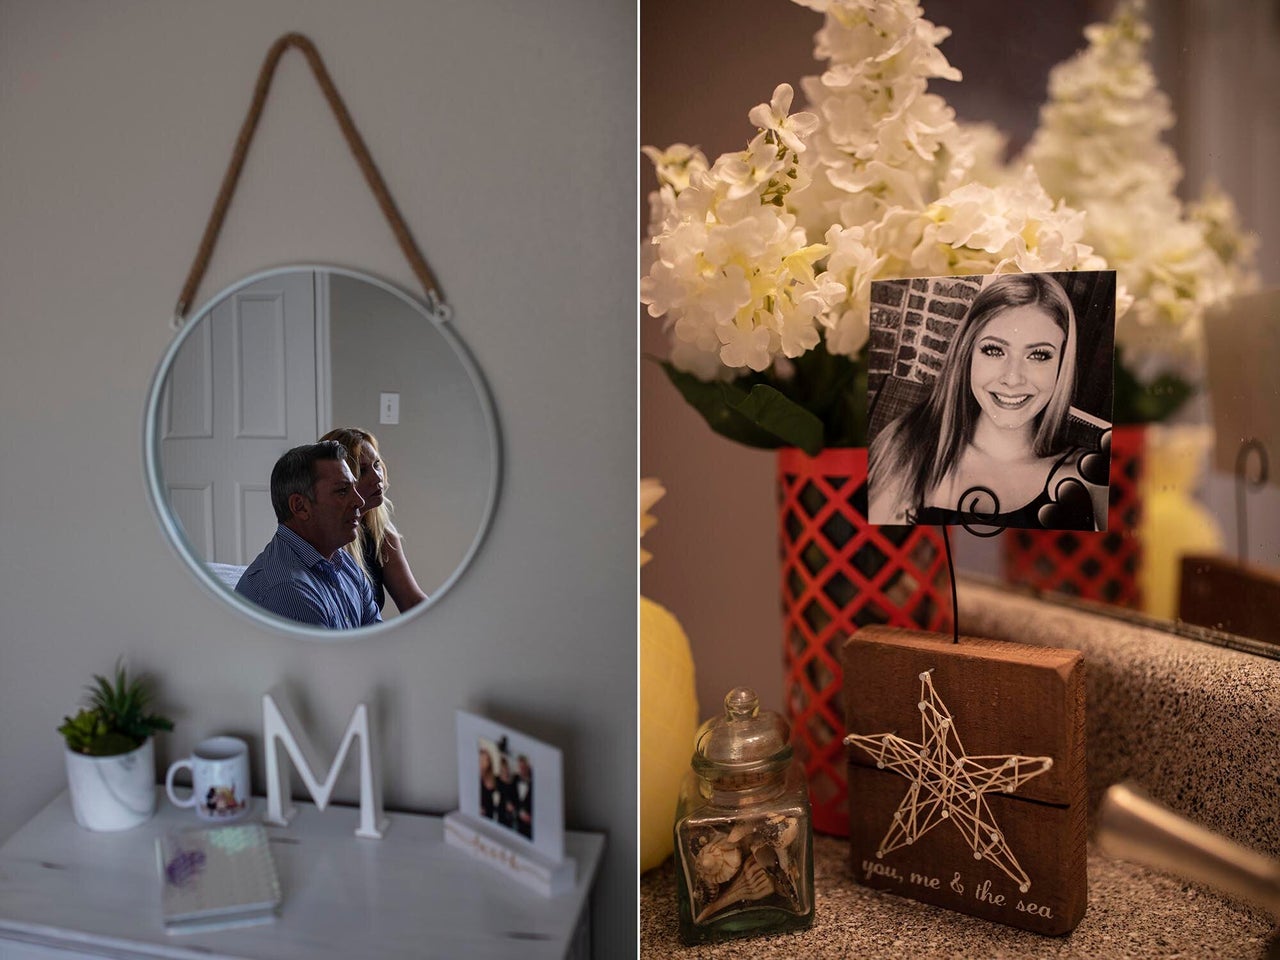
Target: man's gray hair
[[295, 472]]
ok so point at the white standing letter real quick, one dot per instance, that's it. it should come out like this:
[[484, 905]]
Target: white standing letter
[[280, 724]]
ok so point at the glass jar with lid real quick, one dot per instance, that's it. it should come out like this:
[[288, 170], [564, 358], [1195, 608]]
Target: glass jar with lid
[[743, 831]]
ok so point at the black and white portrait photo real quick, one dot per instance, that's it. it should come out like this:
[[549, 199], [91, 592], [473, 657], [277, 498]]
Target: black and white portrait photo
[[990, 400]]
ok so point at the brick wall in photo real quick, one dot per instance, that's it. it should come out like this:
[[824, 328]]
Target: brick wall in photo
[[912, 323]]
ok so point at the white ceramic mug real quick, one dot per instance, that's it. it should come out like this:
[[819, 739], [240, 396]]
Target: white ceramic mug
[[219, 779]]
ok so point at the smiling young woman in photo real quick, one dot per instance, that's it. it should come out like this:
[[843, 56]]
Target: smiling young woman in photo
[[988, 446]]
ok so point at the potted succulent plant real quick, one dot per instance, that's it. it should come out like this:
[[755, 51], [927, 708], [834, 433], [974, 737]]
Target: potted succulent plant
[[110, 754]]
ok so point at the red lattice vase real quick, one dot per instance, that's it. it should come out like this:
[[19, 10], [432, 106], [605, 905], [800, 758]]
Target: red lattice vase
[[1095, 566], [839, 573]]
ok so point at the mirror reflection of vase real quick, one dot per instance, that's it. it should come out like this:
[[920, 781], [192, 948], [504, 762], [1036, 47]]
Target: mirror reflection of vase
[[275, 362]]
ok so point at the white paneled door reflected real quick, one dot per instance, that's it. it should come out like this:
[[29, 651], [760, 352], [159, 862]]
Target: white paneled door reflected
[[242, 391]]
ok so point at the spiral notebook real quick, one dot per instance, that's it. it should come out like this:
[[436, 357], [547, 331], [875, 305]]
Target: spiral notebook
[[216, 877]]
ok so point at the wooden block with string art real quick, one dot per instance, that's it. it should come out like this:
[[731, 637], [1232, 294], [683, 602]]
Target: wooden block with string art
[[967, 774]]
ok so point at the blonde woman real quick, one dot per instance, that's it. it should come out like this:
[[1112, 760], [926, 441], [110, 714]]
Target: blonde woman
[[377, 549]]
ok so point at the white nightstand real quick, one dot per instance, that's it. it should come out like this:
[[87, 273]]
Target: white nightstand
[[67, 893]]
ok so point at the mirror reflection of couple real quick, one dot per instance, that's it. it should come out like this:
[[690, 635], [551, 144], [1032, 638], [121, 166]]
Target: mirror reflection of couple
[[990, 443], [505, 797], [335, 555]]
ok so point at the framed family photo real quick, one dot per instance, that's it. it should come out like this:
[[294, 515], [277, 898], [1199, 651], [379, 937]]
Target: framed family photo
[[512, 785], [990, 400]]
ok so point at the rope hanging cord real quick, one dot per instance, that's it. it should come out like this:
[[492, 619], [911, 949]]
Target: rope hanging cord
[[354, 141]]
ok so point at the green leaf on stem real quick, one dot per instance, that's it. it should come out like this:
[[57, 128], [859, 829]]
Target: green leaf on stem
[[751, 413], [769, 409], [1136, 402]]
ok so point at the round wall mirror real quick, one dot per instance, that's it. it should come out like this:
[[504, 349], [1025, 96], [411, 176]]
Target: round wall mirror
[[277, 361]]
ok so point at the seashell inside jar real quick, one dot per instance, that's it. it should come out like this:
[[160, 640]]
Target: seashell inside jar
[[743, 831]]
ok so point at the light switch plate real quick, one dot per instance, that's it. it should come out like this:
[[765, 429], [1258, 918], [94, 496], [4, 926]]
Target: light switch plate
[[389, 408]]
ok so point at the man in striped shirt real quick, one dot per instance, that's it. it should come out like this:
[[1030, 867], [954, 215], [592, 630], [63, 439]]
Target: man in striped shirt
[[303, 574]]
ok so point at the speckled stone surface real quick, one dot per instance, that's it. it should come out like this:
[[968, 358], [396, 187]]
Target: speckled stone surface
[[1133, 913], [1196, 726]]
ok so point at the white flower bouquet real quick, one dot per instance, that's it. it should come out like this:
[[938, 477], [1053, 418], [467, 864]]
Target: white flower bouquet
[[1099, 148], [761, 262]]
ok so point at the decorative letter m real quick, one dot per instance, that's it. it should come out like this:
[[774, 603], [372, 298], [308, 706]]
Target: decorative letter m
[[280, 725]]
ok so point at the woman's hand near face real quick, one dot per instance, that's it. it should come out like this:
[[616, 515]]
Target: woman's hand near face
[[397, 578]]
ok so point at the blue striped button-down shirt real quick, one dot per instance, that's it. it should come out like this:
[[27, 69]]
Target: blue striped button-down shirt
[[293, 579]]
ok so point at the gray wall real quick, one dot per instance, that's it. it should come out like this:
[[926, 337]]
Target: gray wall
[[505, 132]]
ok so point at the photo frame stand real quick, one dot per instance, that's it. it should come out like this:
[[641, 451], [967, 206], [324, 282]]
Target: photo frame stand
[[489, 845], [516, 829]]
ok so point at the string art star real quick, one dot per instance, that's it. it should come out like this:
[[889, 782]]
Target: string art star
[[948, 785]]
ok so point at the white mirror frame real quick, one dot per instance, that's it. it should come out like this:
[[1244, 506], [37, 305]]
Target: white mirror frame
[[437, 313]]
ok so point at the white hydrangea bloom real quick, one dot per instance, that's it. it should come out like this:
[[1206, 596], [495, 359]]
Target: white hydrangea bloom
[[677, 165], [773, 116], [982, 229], [881, 135], [1215, 213], [733, 273], [855, 262], [1100, 131], [979, 150], [1099, 148]]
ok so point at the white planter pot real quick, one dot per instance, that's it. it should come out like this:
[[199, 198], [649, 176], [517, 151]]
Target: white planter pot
[[113, 793]]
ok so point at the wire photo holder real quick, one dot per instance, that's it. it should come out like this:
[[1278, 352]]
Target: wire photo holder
[[1235, 596], [1251, 449], [997, 851]]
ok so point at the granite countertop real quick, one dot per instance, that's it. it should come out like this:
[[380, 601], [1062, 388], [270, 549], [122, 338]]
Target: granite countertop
[[1177, 717], [1133, 913]]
